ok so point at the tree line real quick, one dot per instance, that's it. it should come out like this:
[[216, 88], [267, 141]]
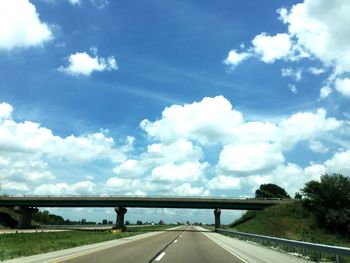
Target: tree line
[[328, 200]]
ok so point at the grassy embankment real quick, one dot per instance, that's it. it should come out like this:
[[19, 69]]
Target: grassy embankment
[[290, 221], [26, 244]]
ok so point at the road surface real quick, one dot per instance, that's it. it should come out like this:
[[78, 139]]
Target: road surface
[[183, 244]]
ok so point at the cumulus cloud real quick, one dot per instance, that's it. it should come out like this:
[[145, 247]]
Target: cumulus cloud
[[84, 64], [250, 158], [187, 189], [343, 86], [325, 91], [234, 58], [222, 182], [5, 110], [271, 48], [30, 153], [316, 71], [318, 147], [189, 171], [78, 188], [290, 72], [21, 26], [206, 121], [313, 25], [312, 33]]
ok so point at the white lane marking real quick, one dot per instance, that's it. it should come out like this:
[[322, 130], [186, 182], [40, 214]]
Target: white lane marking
[[160, 256], [175, 241], [227, 249]]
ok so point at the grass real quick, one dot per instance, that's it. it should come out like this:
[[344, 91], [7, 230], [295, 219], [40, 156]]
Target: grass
[[26, 244], [289, 221]]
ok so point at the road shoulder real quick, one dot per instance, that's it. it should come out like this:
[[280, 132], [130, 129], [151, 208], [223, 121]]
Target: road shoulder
[[249, 252]]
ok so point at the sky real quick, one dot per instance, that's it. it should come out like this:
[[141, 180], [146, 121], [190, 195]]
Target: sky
[[171, 98]]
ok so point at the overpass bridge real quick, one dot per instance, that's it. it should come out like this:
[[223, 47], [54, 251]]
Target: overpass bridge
[[27, 205]]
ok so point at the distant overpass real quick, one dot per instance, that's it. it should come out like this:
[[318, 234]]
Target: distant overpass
[[27, 205]]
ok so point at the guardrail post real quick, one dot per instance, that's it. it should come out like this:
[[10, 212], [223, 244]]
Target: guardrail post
[[121, 211], [25, 216], [337, 259], [217, 213]]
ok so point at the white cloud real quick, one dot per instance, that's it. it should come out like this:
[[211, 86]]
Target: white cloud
[[312, 124], [343, 86], [84, 64], [189, 172], [250, 158], [21, 26], [180, 150], [316, 71], [75, 2], [186, 189], [206, 121], [339, 163], [318, 147], [5, 110], [17, 186], [314, 27], [290, 72], [234, 58], [271, 48], [129, 169], [78, 188], [325, 91], [222, 182]]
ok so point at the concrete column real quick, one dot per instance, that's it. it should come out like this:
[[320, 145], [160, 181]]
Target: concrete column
[[217, 213], [121, 211], [25, 216]]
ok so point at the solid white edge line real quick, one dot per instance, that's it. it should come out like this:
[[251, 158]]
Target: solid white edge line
[[225, 247], [233, 253], [160, 256]]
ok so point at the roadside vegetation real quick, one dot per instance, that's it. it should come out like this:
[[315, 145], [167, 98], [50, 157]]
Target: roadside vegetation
[[26, 244], [320, 214]]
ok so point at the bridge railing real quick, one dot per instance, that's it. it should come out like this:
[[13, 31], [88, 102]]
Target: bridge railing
[[146, 196], [291, 245]]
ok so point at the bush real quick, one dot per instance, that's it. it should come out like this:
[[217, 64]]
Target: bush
[[329, 200]]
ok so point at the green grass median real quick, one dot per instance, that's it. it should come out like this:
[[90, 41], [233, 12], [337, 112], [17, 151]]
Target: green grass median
[[25, 244]]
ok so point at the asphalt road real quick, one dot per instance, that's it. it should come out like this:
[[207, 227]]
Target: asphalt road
[[185, 244]]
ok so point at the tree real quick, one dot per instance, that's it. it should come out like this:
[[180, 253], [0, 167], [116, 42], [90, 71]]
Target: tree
[[298, 195], [138, 222], [127, 222], [271, 191], [161, 222], [329, 200], [104, 222]]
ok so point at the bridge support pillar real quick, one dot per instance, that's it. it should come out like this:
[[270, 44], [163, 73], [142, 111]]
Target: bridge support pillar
[[121, 211], [217, 213], [25, 216]]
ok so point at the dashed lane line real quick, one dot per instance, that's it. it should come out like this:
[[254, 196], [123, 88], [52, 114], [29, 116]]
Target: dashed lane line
[[160, 256]]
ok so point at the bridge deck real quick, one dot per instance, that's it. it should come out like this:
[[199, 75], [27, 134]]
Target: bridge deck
[[152, 202]]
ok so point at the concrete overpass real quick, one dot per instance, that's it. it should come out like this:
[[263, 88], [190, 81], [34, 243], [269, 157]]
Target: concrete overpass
[[27, 205]]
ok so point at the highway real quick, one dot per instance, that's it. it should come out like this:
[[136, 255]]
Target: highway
[[185, 244], [181, 244]]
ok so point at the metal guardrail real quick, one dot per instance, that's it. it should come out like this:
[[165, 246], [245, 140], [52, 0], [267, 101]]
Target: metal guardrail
[[337, 251]]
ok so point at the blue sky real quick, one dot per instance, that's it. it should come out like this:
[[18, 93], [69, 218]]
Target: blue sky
[[167, 98]]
